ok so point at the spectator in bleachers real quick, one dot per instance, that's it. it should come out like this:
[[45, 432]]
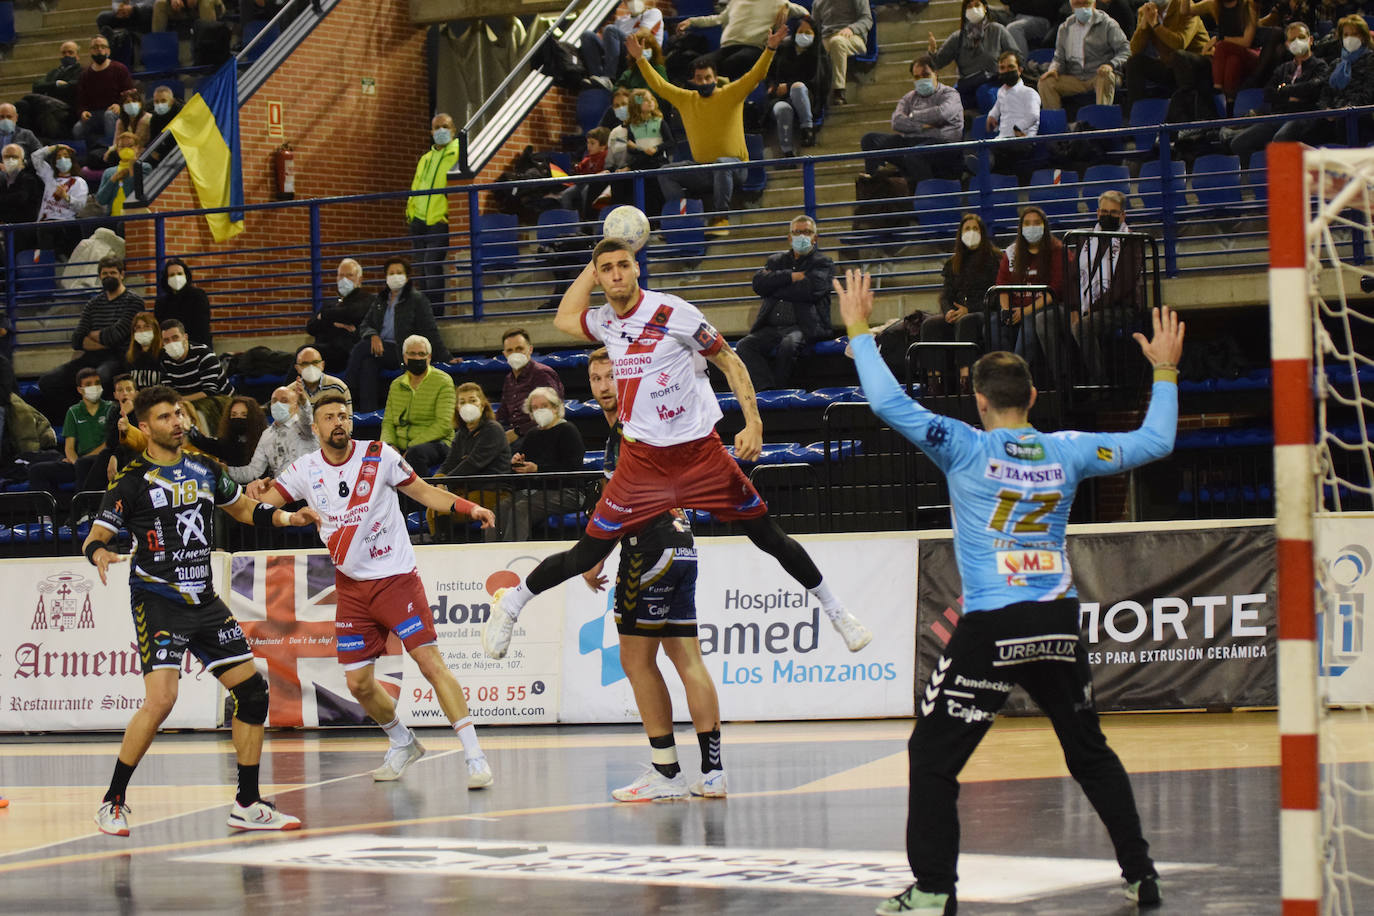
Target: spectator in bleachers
[[83, 433], [97, 94], [427, 215], [144, 357], [713, 117], [99, 339], [404, 311], [122, 182], [583, 195], [28, 435], [21, 193], [1351, 82], [1271, 38], [134, 15], [553, 446], [1089, 51], [601, 51], [649, 143], [60, 81], [653, 53], [1036, 258], [1031, 22], [314, 381], [844, 27], [11, 132], [165, 11], [799, 85], [335, 326], [795, 288], [64, 197], [974, 49], [479, 442], [288, 438], [1234, 55], [1296, 85], [418, 421], [134, 118], [745, 27], [526, 374], [965, 280], [261, 10], [1016, 113], [236, 437], [116, 430], [166, 106], [178, 298], [930, 113], [196, 372], [618, 112], [1169, 48]]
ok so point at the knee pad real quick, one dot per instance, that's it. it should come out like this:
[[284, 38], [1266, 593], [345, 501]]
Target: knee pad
[[250, 700]]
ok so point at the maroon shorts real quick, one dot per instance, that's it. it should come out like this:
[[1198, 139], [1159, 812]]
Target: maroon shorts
[[649, 480], [365, 611]]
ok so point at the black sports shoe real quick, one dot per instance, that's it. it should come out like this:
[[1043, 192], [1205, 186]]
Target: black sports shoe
[[1144, 892]]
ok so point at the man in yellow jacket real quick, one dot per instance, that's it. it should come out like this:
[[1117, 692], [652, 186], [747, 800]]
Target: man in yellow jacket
[[427, 214], [713, 116]]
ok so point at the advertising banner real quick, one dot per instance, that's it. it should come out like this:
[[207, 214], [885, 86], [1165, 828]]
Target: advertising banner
[[1345, 590], [1172, 619], [770, 650], [69, 660], [285, 604]]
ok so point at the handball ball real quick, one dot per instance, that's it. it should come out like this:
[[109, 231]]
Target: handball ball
[[627, 223]]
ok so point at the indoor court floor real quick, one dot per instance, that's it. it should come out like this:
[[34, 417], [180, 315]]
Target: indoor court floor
[[814, 824]]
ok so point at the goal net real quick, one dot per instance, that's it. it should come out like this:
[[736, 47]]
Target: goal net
[[1321, 226]]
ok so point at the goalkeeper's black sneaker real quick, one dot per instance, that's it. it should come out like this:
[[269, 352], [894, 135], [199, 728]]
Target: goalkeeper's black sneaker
[[1144, 892]]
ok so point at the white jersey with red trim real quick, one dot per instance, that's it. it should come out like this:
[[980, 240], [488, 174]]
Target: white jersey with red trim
[[362, 522], [659, 351]]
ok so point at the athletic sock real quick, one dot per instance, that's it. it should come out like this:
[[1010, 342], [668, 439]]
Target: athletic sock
[[710, 750], [467, 733], [829, 603], [663, 752], [119, 783], [400, 735], [248, 785], [514, 600]]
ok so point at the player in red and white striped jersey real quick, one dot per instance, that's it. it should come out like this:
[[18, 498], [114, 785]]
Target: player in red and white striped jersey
[[377, 589], [671, 455]]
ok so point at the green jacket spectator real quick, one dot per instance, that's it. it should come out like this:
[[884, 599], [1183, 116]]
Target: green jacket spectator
[[418, 421]]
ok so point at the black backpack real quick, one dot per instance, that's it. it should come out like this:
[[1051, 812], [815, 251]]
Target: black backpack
[[561, 64], [210, 45]]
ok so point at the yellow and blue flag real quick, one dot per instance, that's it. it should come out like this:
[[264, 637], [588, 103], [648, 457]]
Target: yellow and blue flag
[[207, 130]]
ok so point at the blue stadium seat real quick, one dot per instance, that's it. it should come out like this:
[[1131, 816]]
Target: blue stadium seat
[[1151, 188], [1000, 211], [829, 347], [979, 129], [1216, 181], [161, 52], [500, 239], [1042, 56], [684, 230], [591, 107], [575, 408], [1257, 176], [564, 359], [35, 275], [1103, 117], [870, 53], [1248, 100], [1147, 113], [755, 176], [594, 461], [939, 205], [7, 34], [557, 225], [1056, 192], [1053, 121], [987, 96], [1099, 178]]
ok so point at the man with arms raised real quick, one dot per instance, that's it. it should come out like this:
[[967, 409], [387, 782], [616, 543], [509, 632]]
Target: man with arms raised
[[166, 499], [671, 455], [378, 590]]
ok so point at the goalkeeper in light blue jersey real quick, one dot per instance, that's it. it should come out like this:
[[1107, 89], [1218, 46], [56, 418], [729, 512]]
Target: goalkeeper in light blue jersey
[[1011, 489]]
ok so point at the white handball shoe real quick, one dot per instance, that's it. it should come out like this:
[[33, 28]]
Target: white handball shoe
[[499, 628], [479, 773], [113, 818], [652, 786], [396, 761], [261, 815], [855, 634], [710, 785]]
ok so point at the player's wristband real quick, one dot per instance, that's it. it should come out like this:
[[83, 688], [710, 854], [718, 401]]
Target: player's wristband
[[463, 506], [264, 516], [91, 548], [856, 330], [1166, 372]]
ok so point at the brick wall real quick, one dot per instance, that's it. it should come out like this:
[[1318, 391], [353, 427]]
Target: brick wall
[[345, 143]]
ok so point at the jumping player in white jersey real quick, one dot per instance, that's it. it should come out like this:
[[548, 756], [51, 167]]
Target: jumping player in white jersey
[[377, 589], [671, 455]]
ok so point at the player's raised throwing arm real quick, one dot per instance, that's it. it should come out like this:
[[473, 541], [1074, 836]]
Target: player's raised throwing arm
[[748, 441], [575, 302]]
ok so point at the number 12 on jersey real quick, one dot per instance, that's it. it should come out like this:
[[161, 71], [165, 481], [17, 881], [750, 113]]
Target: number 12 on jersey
[[1029, 508]]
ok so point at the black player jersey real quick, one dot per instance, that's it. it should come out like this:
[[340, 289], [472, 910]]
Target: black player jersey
[[169, 510]]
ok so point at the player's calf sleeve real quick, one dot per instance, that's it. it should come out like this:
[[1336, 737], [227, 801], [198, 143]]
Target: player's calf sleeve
[[585, 554], [788, 551], [250, 700]]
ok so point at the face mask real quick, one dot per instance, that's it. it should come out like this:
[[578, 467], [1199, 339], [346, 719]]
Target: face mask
[[109, 284], [345, 287], [1352, 43], [1109, 222], [176, 349], [177, 282], [7, 125], [161, 108], [312, 374], [469, 412], [805, 40], [100, 58], [925, 87], [132, 109], [417, 366], [395, 281], [971, 238], [1009, 78], [517, 361], [801, 244], [281, 412], [1299, 47], [622, 112], [64, 164], [1083, 13], [13, 165], [1033, 234], [636, 7], [143, 338], [705, 91], [543, 416], [91, 393], [975, 14], [442, 136], [238, 425]]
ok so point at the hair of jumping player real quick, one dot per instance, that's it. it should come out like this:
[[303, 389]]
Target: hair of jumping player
[[1004, 379]]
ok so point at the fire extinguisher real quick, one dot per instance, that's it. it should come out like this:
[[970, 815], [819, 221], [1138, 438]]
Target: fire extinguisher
[[284, 171]]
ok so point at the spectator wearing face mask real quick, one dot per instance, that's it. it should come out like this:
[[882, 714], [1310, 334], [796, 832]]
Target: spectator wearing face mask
[[314, 381], [795, 288], [64, 197], [134, 15], [97, 94], [21, 193], [134, 118], [653, 53], [123, 182], [83, 432], [974, 48], [335, 327], [930, 113], [60, 82], [179, 299], [965, 280], [427, 215], [404, 311], [526, 374], [1296, 85], [1169, 49], [554, 445], [288, 438], [236, 437], [11, 132], [1089, 51], [418, 421], [745, 26], [601, 51], [144, 356], [479, 443], [165, 107], [799, 87], [1016, 113], [193, 370]]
